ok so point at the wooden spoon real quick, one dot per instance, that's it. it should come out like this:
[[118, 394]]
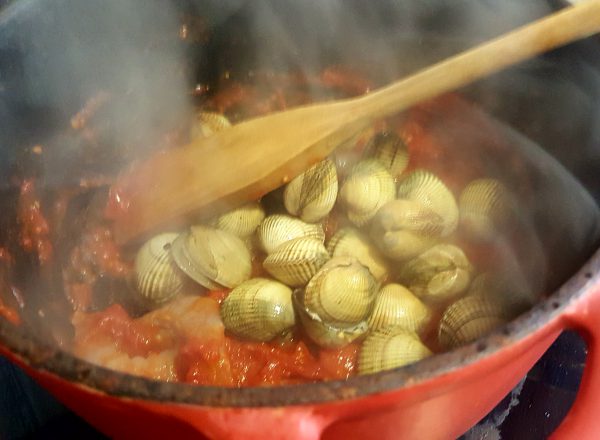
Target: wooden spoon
[[259, 155]]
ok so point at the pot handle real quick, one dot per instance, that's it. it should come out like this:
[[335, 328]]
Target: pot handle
[[582, 421]]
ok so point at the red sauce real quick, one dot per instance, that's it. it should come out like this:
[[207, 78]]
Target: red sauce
[[35, 232]]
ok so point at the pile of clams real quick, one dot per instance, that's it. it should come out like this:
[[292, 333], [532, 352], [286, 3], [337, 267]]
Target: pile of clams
[[364, 253]]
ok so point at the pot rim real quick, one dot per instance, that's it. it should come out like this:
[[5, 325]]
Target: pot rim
[[37, 355]]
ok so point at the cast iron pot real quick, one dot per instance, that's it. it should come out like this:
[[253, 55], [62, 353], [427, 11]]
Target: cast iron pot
[[54, 54]]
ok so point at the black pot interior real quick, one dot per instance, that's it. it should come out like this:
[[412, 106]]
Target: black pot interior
[[55, 55]]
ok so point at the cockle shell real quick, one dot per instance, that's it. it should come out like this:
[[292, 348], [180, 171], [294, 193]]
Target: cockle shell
[[212, 257], [470, 318], [295, 262], [208, 123], [312, 194], [367, 188], [351, 242], [341, 292], [427, 189], [157, 277], [486, 209], [439, 274], [390, 150], [505, 287], [277, 229], [403, 229], [258, 309], [241, 221], [395, 305], [389, 348]]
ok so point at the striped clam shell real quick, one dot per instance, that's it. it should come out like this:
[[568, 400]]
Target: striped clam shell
[[312, 194], [506, 287], [439, 274], [403, 229], [212, 257], [395, 305], [295, 262], [157, 277], [323, 334], [486, 208], [427, 189], [390, 150], [341, 292], [351, 242], [389, 348], [277, 229], [206, 124], [367, 188], [258, 309], [241, 221]]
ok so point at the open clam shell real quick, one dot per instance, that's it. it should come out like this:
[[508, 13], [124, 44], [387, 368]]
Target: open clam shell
[[427, 189], [241, 221], [208, 123], [486, 209], [323, 334], [341, 292], [439, 274], [394, 306], [277, 229], [367, 188], [212, 257], [295, 262], [388, 348], [390, 150], [351, 242], [258, 309], [157, 277], [312, 194]]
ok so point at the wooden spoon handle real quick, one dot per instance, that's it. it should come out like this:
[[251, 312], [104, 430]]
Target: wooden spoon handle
[[573, 23]]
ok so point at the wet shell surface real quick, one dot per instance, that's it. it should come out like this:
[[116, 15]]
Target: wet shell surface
[[403, 229], [212, 257], [351, 242], [390, 150], [278, 228], [486, 208], [427, 189], [208, 123], [470, 318], [341, 292], [323, 334], [439, 274], [395, 305], [242, 221], [367, 188], [158, 279], [295, 262], [504, 287], [389, 348], [312, 194], [258, 309]]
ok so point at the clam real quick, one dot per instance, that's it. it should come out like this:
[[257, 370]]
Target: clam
[[504, 287], [277, 229], [352, 242], [367, 188], [324, 334], [341, 292], [427, 189], [486, 208], [212, 257], [390, 150], [295, 262], [241, 221], [439, 274], [157, 277], [258, 309], [388, 348], [207, 124], [312, 194], [403, 229], [395, 305], [470, 318]]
